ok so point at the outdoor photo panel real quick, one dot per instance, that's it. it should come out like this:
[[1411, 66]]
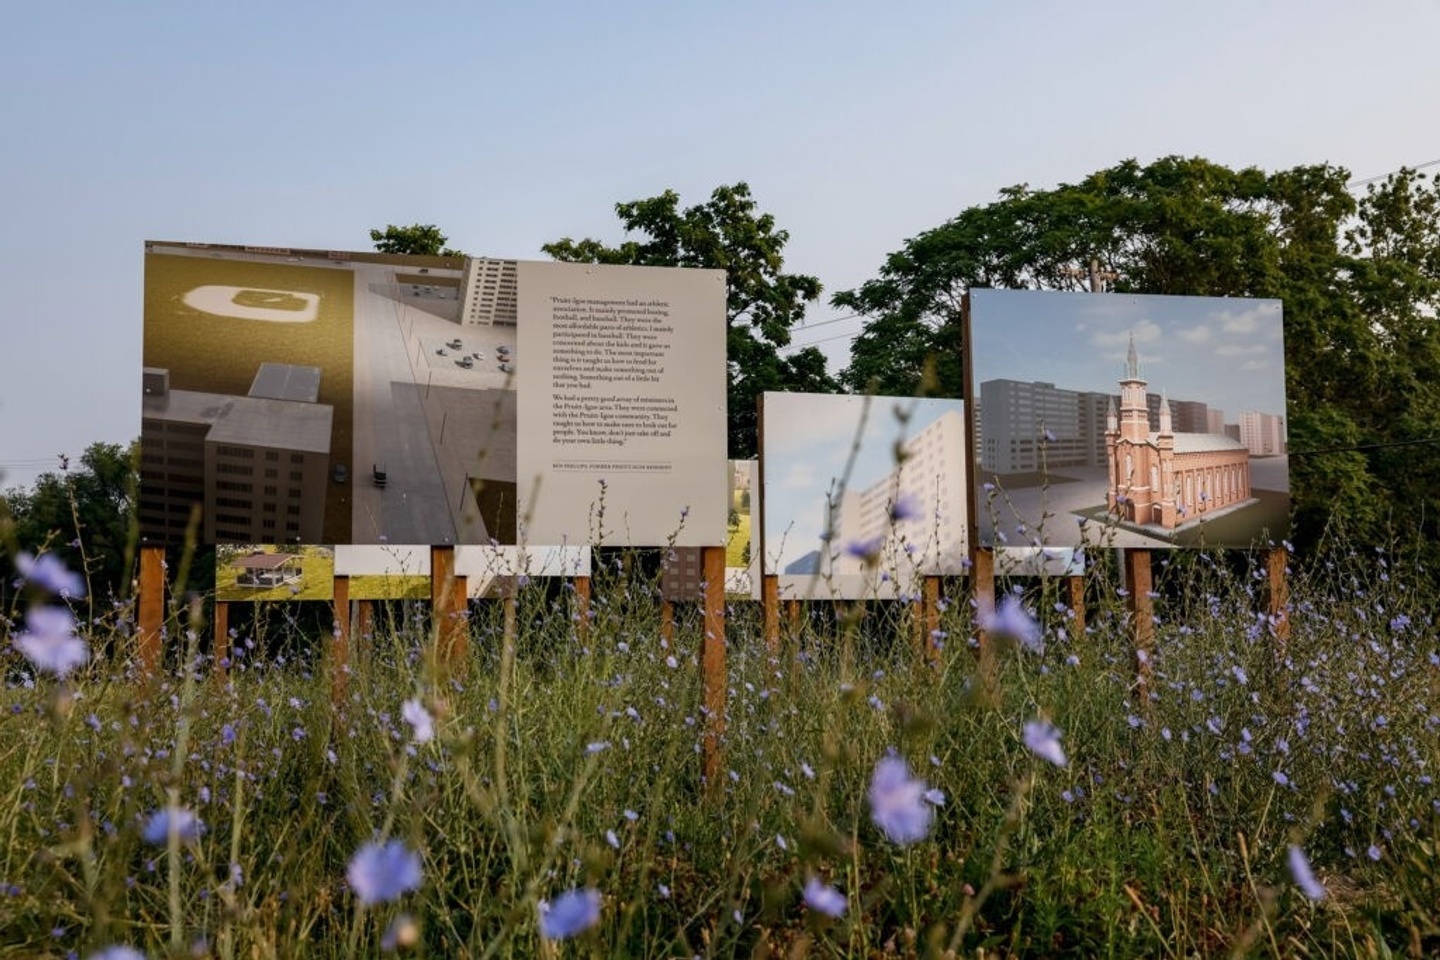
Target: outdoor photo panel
[[254, 571], [862, 495], [312, 396], [1126, 421], [622, 391], [295, 397]]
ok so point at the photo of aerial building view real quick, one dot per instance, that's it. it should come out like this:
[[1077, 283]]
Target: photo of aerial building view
[[1129, 421], [861, 494], [312, 396]]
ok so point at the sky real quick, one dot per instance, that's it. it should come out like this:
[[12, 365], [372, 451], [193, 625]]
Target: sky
[[857, 126], [1225, 352]]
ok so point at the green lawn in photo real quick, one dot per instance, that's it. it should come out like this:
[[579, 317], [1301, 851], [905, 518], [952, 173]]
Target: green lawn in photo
[[217, 354], [317, 582], [387, 586]]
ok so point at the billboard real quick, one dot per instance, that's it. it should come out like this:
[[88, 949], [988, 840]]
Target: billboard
[[313, 396], [862, 495], [1127, 421]]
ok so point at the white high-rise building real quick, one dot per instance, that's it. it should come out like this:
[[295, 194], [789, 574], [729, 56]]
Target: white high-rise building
[[929, 484], [1263, 434], [488, 292]]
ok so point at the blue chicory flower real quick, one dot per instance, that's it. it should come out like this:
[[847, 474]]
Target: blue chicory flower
[[898, 805], [1304, 877], [382, 872], [824, 899], [157, 827], [1043, 739], [48, 572], [423, 725], [49, 641], [571, 914], [1012, 620]]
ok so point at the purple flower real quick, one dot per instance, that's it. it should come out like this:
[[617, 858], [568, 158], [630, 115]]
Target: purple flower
[[419, 719], [157, 828], [571, 914], [117, 953], [49, 641], [1012, 620], [897, 803], [1044, 741], [48, 572], [866, 550], [381, 872], [1303, 876], [905, 507], [824, 899]]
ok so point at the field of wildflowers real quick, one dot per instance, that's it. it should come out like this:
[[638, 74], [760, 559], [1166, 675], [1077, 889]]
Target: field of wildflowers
[[1221, 793]]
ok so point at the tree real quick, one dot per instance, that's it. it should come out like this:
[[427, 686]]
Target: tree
[[83, 513], [418, 238], [763, 302], [1358, 280]]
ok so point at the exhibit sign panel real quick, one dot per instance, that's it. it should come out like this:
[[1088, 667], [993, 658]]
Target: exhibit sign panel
[[862, 495], [295, 396], [1127, 421], [621, 421]]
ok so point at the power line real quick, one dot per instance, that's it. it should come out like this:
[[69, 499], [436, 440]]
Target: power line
[[1364, 446], [1376, 179]]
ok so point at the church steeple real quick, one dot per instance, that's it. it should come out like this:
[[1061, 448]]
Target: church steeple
[[1132, 361]]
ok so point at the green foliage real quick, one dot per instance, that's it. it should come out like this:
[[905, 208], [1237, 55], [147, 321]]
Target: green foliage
[[418, 238], [1358, 280], [84, 513], [763, 302]]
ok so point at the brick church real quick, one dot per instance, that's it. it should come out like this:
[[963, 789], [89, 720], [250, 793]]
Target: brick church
[[1162, 477]]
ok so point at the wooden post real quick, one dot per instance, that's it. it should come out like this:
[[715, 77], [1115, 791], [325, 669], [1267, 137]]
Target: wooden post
[[927, 618], [667, 622], [220, 634], [340, 641], [1139, 581], [152, 609], [447, 605], [1279, 593], [582, 609], [794, 619], [365, 619], [1077, 606], [770, 609], [983, 572], [712, 661]]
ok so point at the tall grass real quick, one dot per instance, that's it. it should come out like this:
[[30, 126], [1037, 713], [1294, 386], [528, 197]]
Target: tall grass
[[570, 759]]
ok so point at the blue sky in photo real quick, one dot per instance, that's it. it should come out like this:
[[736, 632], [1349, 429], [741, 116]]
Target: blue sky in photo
[[857, 125], [1227, 352]]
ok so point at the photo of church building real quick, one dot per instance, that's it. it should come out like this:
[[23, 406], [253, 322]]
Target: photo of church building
[[1124, 420], [1164, 477]]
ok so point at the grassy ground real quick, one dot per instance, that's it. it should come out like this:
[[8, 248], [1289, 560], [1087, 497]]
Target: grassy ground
[[389, 587], [566, 760]]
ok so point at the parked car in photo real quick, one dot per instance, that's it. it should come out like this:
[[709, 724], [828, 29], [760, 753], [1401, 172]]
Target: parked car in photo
[[454, 344], [466, 362], [378, 475], [341, 473]]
